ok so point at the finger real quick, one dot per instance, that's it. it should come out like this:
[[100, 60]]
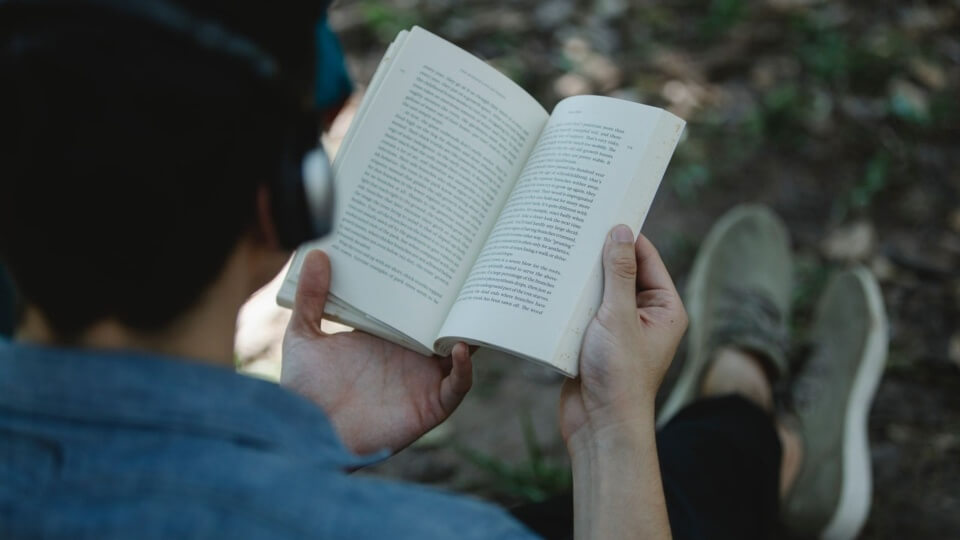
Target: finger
[[651, 272], [446, 364], [312, 290], [619, 270], [456, 385]]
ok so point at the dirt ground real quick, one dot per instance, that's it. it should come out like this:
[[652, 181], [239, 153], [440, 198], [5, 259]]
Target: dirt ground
[[842, 116]]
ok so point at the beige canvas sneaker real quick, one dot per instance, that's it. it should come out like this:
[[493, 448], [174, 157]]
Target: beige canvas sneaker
[[832, 395]]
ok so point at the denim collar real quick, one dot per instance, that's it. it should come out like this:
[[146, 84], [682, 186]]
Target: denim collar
[[140, 390]]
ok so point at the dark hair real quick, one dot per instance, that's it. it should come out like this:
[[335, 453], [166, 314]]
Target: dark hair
[[129, 161]]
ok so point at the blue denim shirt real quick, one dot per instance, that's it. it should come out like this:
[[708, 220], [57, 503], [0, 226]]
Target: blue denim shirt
[[100, 444]]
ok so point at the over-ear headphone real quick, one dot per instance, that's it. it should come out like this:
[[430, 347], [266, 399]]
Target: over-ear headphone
[[301, 191]]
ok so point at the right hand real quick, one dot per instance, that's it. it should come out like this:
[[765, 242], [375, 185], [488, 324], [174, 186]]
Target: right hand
[[628, 346], [377, 394]]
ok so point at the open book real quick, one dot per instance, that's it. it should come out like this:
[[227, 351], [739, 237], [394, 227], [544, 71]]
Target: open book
[[466, 212]]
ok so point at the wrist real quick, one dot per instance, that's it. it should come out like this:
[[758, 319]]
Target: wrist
[[618, 492], [610, 434]]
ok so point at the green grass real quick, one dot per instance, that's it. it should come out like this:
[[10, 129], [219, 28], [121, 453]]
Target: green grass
[[826, 55], [861, 195], [687, 180], [945, 109], [905, 109], [873, 181], [810, 278], [532, 480], [722, 15], [386, 20]]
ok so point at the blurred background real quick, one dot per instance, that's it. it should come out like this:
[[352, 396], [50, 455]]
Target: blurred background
[[841, 115]]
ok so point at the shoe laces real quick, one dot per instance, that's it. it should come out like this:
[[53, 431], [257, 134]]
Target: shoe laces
[[748, 316]]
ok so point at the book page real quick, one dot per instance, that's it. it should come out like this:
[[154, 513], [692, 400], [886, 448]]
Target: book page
[[335, 309], [598, 162], [420, 183]]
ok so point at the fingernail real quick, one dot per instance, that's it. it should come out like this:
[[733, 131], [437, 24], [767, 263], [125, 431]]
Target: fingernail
[[622, 234]]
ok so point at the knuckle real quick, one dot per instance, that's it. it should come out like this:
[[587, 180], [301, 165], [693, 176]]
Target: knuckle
[[623, 265]]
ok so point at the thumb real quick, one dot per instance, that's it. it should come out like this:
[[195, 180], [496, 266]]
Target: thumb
[[620, 270], [312, 289], [457, 383]]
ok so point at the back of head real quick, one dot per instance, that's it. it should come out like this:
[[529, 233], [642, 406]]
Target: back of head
[[130, 157]]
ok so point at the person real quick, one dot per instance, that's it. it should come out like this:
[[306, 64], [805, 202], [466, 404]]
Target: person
[[135, 220]]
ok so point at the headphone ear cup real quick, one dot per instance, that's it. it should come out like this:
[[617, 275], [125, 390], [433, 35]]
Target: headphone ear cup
[[317, 176], [301, 196], [289, 206]]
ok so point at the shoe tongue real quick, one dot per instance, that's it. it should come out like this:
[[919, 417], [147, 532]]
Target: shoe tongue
[[750, 320]]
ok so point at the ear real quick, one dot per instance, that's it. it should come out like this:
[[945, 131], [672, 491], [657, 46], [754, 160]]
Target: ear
[[265, 228], [266, 256]]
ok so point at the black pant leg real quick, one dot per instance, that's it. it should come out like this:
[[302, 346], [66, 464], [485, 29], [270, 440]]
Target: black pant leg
[[720, 462], [552, 519]]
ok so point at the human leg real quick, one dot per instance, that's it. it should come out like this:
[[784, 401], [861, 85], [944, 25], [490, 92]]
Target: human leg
[[824, 466], [737, 298], [719, 446]]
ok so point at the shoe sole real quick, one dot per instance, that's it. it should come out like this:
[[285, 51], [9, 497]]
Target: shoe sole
[[685, 388], [855, 494]]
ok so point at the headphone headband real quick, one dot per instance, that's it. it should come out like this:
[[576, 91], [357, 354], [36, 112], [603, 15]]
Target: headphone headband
[[302, 192], [205, 33]]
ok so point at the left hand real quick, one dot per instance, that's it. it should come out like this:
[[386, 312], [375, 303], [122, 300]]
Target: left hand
[[627, 348], [377, 394]]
